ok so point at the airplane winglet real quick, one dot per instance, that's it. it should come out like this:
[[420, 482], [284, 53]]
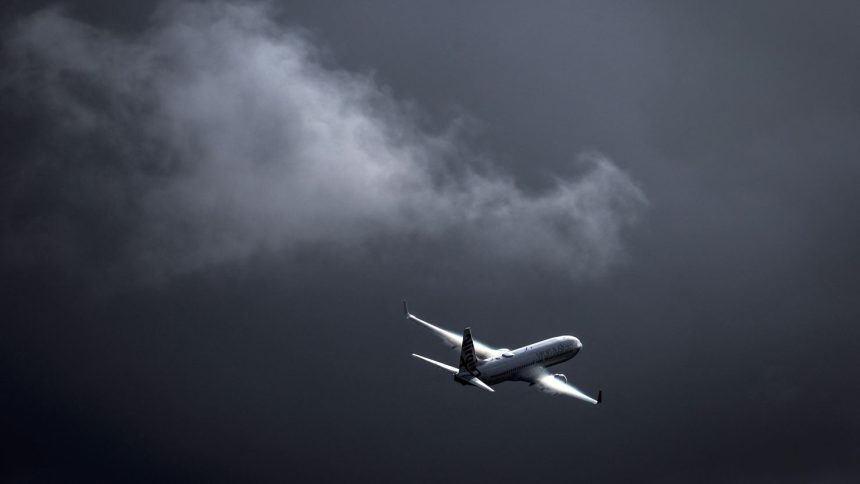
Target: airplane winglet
[[599, 396], [405, 309]]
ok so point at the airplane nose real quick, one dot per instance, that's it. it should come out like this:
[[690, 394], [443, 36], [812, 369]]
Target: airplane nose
[[577, 343]]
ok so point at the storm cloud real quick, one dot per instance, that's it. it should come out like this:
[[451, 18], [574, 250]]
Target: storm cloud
[[220, 134]]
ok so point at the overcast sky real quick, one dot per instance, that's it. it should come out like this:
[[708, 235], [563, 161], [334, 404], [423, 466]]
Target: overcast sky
[[211, 211]]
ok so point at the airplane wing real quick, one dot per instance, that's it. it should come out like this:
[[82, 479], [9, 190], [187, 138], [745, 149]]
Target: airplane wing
[[453, 340], [548, 383]]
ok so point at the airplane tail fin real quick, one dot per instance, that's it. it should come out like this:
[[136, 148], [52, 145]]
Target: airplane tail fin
[[468, 360]]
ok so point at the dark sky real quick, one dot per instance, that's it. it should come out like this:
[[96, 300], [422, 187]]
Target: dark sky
[[210, 214]]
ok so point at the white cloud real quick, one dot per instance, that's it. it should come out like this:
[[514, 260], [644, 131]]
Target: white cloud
[[233, 137]]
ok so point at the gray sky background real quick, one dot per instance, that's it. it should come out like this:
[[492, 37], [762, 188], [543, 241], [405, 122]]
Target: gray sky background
[[211, 212]]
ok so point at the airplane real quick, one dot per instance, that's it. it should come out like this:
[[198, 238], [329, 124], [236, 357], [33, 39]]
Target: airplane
[[483, 366]]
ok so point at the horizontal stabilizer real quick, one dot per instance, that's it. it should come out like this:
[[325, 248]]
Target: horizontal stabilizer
[[440, 365], [473, 380]]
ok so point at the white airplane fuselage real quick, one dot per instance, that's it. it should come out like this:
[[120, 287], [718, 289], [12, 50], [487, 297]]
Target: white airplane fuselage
[[510, 365]]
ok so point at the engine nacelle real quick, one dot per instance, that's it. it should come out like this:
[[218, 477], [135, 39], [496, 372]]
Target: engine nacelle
[[560, 376]]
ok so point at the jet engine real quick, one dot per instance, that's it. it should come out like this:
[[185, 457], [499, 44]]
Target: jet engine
[[560, 376]]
